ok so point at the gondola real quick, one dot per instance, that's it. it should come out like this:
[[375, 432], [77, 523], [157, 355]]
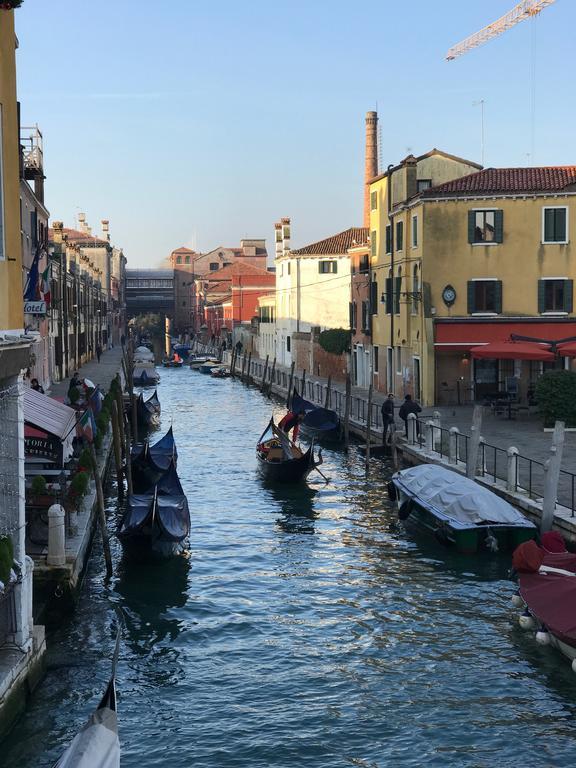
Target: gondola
[[319, 423], [150, 462], [145, 376], [458, 511], [97, 744], [280, 460], [167, 363], [157, 522], [148, 411]]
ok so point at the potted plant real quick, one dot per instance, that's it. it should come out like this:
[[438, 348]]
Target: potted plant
[[38, 495], [77, 490]]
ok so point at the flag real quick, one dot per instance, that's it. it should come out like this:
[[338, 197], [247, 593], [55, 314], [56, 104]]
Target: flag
[[85, 428], [45, 286], [95, 401], [32, 288]]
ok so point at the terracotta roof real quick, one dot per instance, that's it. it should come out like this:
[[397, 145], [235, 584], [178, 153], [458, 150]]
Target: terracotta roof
[[76, 236], [236, 268], [183, 249], [432, 153], [337, 244], [503, 180]]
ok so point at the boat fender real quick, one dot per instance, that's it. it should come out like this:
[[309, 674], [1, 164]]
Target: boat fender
[[516, 600], [491, 541], [392, 492], [543, 636], [526, 620], [405, 509]]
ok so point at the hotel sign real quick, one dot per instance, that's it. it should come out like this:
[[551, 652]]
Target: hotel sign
[[34, 307]]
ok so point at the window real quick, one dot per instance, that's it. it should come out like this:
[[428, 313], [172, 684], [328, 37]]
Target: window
[[187, 259], [399, 360], [288, 267], [34, 227], [485, 226], [375, 359], [214, 266], [397, 290], [399, 235], [183, 303], [373, 201], [423, 184], [287, 343], [555, 225], [365, 316], [388, 239], [485, 296], [373, 243], [374, 295], [414, 231], [353, 307], [266, 314], [327, 267], [178, 259], [364, 265], [389, 365], [415, 289], [555, 295]]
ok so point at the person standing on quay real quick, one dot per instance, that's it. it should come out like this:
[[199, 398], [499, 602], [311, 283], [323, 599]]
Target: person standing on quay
[[407, 407], [98, 351], [387, 411]]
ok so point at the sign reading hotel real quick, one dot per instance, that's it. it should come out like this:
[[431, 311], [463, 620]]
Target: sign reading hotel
[[34, 307]]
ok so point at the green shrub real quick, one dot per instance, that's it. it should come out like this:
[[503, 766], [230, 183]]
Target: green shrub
[[6, 558], [85, 461], [556, 397], [102, 421], [336, 340], [38, 486], [79, 484], [98, 440]]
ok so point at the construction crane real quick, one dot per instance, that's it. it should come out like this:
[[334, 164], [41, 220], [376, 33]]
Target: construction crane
[[524, 10]]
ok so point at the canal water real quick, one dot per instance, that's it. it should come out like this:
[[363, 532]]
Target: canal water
[[305, 627]]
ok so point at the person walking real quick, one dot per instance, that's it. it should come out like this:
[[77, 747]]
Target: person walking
[[387, 411], [407, 407], [35, 384], [98, 351]]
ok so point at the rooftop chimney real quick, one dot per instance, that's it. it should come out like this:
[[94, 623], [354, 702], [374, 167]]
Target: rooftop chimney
[[82, 222], [105, 229], [285, 222], [371, 160], [278, 239]]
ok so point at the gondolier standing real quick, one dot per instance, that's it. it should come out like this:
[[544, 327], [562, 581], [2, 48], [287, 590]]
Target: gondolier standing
[[292, 422]]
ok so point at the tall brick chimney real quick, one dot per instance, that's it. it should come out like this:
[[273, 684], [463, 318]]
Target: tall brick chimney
[[371, 160]]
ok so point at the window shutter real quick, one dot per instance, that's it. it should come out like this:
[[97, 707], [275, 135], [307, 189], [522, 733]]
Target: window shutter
[[388, 239], [498, 226], [389, 295], [351, 315], [498, 296], [471, 225], [399, 235], [548, 224], [397, 290], [568, 291], [560, 228], [471, 303], [374, 297], [373, 244], [541, 296]]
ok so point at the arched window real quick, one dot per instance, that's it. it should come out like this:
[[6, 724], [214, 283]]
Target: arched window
[[415, 289], [178, 259]]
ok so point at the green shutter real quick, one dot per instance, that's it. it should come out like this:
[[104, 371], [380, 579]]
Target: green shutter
[[373, 244], [548, 224], [374, 297], [389, 296], [471, 225], [471, 306], [498, 226], [560, 224], [397, 290], [388, 239], [568, 292], [498, 296], [541, 296], [399, 235], [351, 315]]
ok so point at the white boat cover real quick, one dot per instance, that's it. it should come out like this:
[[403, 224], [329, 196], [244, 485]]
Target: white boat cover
[[50, 416], [96, 745], [143, 353], [457, 497]]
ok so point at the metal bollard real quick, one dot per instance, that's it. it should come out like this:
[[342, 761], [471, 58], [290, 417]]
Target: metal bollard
[[512, 469], [436, 420], [411, 425], [56, 536], [429, 436], [453, 445], [481, 459]]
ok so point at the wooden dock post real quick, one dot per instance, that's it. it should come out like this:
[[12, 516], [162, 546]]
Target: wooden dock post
[[233, 363], [134, 400], [243, 367], [552, 477], [117, 450], [368, 427], [128, 458], [474, 442], [248, 376], [303, 384], [101, 513], [327, 402], [263, 382], [289, 395], [394, 447], [271, 377], [347, 411], [120, 407]]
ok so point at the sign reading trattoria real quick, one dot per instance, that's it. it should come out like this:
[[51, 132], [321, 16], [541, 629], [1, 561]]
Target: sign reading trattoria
[[49, 448], [34, 307]]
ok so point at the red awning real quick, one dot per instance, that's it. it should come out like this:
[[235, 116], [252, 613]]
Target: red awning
[[513, 350], [462, 336], [568, 349]]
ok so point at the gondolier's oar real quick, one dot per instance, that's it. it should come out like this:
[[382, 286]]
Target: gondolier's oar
[[326, 479]]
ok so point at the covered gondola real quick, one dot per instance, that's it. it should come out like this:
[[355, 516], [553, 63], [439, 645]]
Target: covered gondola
[[280, 460], [157, 522], [150, 462], [143, 354], [97, 744], [319, 423], [145, 376], [148, 411]]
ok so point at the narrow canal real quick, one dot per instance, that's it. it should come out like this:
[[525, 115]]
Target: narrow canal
[[306, 627]]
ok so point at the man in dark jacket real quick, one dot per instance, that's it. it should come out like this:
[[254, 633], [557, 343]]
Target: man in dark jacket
[[409, 406], [387, 411]]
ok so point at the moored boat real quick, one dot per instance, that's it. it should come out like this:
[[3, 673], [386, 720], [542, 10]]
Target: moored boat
[[280, 460], [221, 372], [457, 510], [209, 366], [157, 522], [143, 354], [145, 375], [150, 462], [148, 411], [319, 423], [547, 592]]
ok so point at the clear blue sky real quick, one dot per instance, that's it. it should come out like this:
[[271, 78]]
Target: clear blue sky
[[198, 123]]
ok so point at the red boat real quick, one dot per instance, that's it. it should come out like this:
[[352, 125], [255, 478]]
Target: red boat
[[547, 590]]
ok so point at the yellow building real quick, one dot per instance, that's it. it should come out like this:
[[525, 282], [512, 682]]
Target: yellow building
[[401, 320], [467, 261]]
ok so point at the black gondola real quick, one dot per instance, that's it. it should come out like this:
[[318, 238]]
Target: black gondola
[[145, 377], [148, 411], [150, 462], [319, 423], [157, 522], [280, 461]]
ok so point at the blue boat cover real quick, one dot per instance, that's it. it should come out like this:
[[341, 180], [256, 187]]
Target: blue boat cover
[[320, 419]]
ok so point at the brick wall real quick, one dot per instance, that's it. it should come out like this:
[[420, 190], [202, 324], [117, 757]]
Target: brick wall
[[309, 356]]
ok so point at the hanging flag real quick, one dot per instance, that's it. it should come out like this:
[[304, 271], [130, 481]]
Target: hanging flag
[[85, 428], [95, 401], [31, 292], [45, 286]]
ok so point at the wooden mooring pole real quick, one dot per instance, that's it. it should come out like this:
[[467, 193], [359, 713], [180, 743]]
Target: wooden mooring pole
[[120, 407], [303, 384], [134, 400], [128, 459], [101, 512], [289, 395], [368, 427], [271, 377], [347, 411], [117, 450], [263, 383], [328, 388]]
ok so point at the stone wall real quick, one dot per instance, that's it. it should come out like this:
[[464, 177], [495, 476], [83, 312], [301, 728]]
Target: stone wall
[[309, 356]]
